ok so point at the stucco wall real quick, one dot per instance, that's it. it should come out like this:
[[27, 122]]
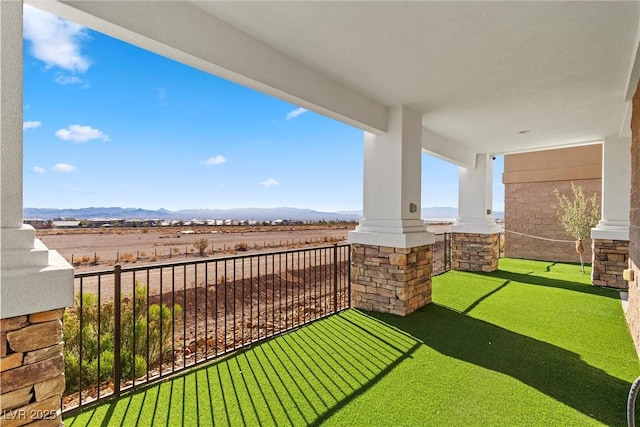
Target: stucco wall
[[529, 183], [633, 309]]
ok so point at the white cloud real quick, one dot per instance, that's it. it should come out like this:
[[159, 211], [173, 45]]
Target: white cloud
[[32, 124], [55, 41], [63, 167], [78, 133], [269, 182], [65, 79], [295, 113], [216, 160], [38, 169]]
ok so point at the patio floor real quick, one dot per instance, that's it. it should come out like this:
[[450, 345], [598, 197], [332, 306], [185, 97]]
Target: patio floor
[[530, 344]]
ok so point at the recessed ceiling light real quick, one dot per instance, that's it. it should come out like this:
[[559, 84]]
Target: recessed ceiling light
[[524, 131]]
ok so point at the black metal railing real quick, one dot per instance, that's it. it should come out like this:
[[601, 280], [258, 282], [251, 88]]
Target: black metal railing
[[133, 325], [442, 254]]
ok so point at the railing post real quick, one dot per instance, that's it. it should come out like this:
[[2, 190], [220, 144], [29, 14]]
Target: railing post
[[349, 276], [117, 338], [335, 277], [447, 252]]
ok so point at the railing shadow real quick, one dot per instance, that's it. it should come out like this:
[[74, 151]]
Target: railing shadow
[[305, 377], [301, 378]]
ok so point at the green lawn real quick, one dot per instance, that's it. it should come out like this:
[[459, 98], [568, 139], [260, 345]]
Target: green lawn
[[532, 344]]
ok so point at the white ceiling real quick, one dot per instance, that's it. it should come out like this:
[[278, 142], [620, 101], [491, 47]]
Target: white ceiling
[[479, 72]]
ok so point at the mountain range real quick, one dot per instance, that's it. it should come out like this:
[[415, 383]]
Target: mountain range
[[257, 214]]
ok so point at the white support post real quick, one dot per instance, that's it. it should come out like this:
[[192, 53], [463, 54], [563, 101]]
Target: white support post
[[475, 194], [616, 190], [392, 174], [32, 278]]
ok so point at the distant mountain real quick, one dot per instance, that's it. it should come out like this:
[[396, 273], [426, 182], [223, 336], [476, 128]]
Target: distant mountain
[[257, 214], [92, 212]]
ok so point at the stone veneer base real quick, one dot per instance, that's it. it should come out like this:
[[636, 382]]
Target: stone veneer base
[[475, 252], [391, 280], [610, 258], [31, 369]]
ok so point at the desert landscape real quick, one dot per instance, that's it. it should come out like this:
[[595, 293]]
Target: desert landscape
[[97, 248]]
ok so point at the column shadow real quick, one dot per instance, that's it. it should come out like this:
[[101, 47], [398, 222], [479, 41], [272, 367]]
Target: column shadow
[[552, 370]]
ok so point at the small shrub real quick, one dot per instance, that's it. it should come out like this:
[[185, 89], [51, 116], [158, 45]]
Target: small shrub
[[201, 245], [127, 257], [241, 247], [133, 354]]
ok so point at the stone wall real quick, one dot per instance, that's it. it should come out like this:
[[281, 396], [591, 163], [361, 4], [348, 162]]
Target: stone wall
[[633, 308], [610, 258], [475, 252], [31, 369], [528, 210], [391, 280]]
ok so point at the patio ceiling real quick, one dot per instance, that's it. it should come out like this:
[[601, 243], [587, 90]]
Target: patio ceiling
[[481, 73]]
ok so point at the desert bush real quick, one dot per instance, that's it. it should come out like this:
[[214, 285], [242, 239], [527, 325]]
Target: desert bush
[[201, 245], [97, 338], [127, 257], [241, 247]]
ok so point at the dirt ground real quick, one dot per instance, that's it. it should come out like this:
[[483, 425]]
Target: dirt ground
[[96, 249]]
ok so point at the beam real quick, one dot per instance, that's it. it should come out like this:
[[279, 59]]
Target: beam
[[185, 33], [442, 148]]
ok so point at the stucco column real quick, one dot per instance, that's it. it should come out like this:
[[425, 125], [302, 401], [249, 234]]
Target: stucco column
[[616, 186], [34, 279], [610, 238], [475, 238], [35, 283], [392, 249], [392, 182]]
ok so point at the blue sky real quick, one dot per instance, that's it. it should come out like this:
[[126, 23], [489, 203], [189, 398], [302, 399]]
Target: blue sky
[[110, 124]]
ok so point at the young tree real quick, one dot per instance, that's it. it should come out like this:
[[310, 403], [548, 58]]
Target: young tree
[[577, 215]]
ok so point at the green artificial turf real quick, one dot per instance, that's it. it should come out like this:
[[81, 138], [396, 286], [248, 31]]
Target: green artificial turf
[[532, 344]]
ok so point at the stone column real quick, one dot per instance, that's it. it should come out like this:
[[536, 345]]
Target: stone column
[[391, 245], [475, 237], [610, 238], [31, 369], [36, 282]]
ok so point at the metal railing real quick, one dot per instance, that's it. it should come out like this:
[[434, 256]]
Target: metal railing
[[442, 254], [134, 325]]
